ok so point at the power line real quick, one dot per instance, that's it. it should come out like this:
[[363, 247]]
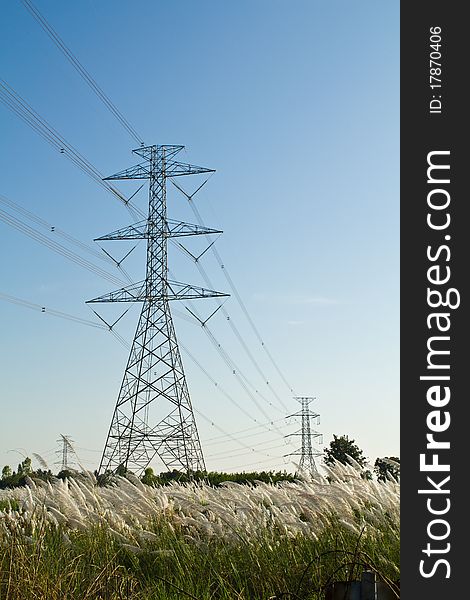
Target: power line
[[43, 309], [226, 433], [21, 108], [251, 448], [244, 437], [234, 369], [78, 66], [104, 256], [233, 287], [219, 387], [234, 327], [214, 440], [241, 377], [56, 247], [248, 317], [56, 230]]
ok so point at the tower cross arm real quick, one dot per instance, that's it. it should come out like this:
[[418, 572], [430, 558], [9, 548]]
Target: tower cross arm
[[131, 293], [174, 168], [140, 231], [185, 291], [137, 292], [179, 229], [141, 171]]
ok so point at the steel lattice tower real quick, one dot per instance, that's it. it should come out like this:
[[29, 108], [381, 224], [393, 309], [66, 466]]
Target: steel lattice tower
[[307, 453], [67, 448], [153, 414]]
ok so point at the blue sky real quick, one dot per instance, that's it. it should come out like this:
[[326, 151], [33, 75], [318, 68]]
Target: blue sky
[[295, 104]]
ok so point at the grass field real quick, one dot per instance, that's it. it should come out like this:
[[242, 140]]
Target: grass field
[[74, 540]]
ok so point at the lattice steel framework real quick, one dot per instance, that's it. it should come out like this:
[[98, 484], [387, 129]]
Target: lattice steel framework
[[153, 414], [307, 452], [65, 451]]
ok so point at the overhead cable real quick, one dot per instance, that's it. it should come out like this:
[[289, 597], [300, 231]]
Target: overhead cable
[[81, 70], [56, 247], [241, 377], [21, 108], [235, 329], [49, 311], [53, 229], [234, 289]]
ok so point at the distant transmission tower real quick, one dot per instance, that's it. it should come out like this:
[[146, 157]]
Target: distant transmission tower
[[64, 452], [307, 453], [153, 414]]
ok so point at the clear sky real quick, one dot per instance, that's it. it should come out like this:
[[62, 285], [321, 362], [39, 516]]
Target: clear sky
[[295, 104]]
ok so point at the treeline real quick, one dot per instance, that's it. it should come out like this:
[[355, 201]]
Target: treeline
[[215, 478], [11, 479]]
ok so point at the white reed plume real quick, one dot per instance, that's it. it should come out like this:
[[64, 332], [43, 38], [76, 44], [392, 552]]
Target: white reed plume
[[130, 510]]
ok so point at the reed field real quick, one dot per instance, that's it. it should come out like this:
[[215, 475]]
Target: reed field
[[72, 539]]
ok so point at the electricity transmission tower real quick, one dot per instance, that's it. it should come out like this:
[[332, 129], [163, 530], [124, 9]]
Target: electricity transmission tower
[[153, 414], [306, 452], [67, 448]]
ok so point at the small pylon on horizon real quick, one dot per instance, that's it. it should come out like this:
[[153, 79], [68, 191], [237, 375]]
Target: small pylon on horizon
[[307, 452]]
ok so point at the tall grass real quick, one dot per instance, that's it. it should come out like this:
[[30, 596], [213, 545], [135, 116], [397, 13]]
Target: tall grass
[[74, 540]]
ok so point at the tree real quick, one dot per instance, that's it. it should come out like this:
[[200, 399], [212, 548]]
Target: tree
[[121, 471], [6, 472], [65, 474], [25, 467], [387, 467], [341, 448], [148, 477]]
